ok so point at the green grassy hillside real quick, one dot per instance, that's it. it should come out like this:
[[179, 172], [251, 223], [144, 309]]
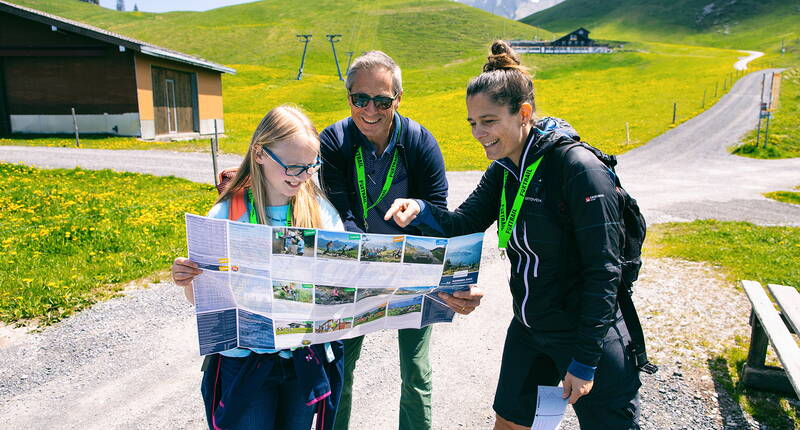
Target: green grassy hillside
[[439, 44], [742, 24], [417, 33]]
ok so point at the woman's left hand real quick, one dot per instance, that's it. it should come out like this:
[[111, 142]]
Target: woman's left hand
[[463, 302], [575, 388]]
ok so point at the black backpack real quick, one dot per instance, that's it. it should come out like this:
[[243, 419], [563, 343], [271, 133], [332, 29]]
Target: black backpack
[[634, 230]]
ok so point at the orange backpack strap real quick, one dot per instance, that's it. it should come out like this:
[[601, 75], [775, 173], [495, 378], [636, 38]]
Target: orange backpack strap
[[237, 206]]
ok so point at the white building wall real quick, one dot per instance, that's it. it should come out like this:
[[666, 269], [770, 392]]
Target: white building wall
[[148, 129], [562, 49], [207, 126], [126, 124]]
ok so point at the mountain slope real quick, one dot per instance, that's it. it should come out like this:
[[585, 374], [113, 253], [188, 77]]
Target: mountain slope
[[417, 33], [740, 24], [513, 9]]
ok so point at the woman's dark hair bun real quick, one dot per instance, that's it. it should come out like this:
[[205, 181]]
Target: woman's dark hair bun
[[503, 57]]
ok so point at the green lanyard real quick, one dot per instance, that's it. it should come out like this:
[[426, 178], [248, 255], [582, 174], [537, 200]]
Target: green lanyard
[[254, 214], [362, 182], [505, 224]]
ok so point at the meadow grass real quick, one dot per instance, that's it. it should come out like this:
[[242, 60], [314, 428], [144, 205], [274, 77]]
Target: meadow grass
[[71, 237], [792, 197], [440, 45], [743, 250], [784, 133]]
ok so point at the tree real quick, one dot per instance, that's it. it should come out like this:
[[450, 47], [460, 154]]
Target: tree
[[121, 5], [135, 7], [97, 2]]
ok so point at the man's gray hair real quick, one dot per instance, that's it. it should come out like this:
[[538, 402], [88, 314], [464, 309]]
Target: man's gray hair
[[375, 59]]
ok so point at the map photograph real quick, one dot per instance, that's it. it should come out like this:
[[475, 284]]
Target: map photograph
[[338, 245], [424, 250]]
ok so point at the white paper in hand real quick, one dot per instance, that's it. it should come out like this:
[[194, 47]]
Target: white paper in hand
[[550, 408]]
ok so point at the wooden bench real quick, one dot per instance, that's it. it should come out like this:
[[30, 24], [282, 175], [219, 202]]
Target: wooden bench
[[771, 326]]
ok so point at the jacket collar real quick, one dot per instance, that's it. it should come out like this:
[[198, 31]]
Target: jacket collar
[[548, 132], [395, 138]]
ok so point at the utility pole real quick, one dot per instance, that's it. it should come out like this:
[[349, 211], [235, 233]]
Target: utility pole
[[772, 104], [333, 38], [303, 38], [349, 58]]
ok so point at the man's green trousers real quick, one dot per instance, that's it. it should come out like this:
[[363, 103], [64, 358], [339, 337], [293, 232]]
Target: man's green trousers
[[415, 374]]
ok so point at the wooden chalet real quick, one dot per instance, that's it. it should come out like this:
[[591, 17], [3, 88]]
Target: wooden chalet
[[576, 42], [117, 85]]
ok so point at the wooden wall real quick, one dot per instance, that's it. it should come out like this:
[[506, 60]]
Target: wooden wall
[[5, 123], [48, 72]]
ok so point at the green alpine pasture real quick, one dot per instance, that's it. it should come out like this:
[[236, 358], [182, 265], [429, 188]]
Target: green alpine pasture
[[782, 136], [71, 237], [439, 44], [758, 25]]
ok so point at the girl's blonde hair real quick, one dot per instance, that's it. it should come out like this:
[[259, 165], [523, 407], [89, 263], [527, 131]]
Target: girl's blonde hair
[[279, 124]]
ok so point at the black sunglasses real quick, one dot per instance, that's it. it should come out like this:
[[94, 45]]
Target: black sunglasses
[[361, 100]]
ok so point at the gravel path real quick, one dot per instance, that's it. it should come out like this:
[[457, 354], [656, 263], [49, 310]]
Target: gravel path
[[687, 172], [751, 55], [131, 362]]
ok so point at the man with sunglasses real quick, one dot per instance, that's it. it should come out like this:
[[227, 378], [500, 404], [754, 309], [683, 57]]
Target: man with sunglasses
[[370, 159]]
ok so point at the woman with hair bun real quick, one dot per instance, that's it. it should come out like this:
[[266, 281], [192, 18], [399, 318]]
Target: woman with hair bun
[[564, 276]]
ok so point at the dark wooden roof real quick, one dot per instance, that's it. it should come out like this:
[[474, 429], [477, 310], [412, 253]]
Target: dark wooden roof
[[110, 37]]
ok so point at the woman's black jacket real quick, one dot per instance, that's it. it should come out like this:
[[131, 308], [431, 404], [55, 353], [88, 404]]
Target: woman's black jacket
[[564, 275]]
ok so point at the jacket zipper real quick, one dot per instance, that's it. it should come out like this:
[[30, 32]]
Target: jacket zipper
[[524, 274]]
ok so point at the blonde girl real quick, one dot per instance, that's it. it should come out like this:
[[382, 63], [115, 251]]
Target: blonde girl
[[262, 388]]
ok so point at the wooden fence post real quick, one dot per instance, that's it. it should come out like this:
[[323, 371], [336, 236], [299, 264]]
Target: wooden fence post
[[75, 125], [674, 112], [627, 134], [214, 148]]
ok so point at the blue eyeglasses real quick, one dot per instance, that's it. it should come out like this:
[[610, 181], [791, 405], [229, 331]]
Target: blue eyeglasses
[[294, 169]]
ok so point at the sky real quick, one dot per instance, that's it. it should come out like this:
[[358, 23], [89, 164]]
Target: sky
[[172, 5]]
